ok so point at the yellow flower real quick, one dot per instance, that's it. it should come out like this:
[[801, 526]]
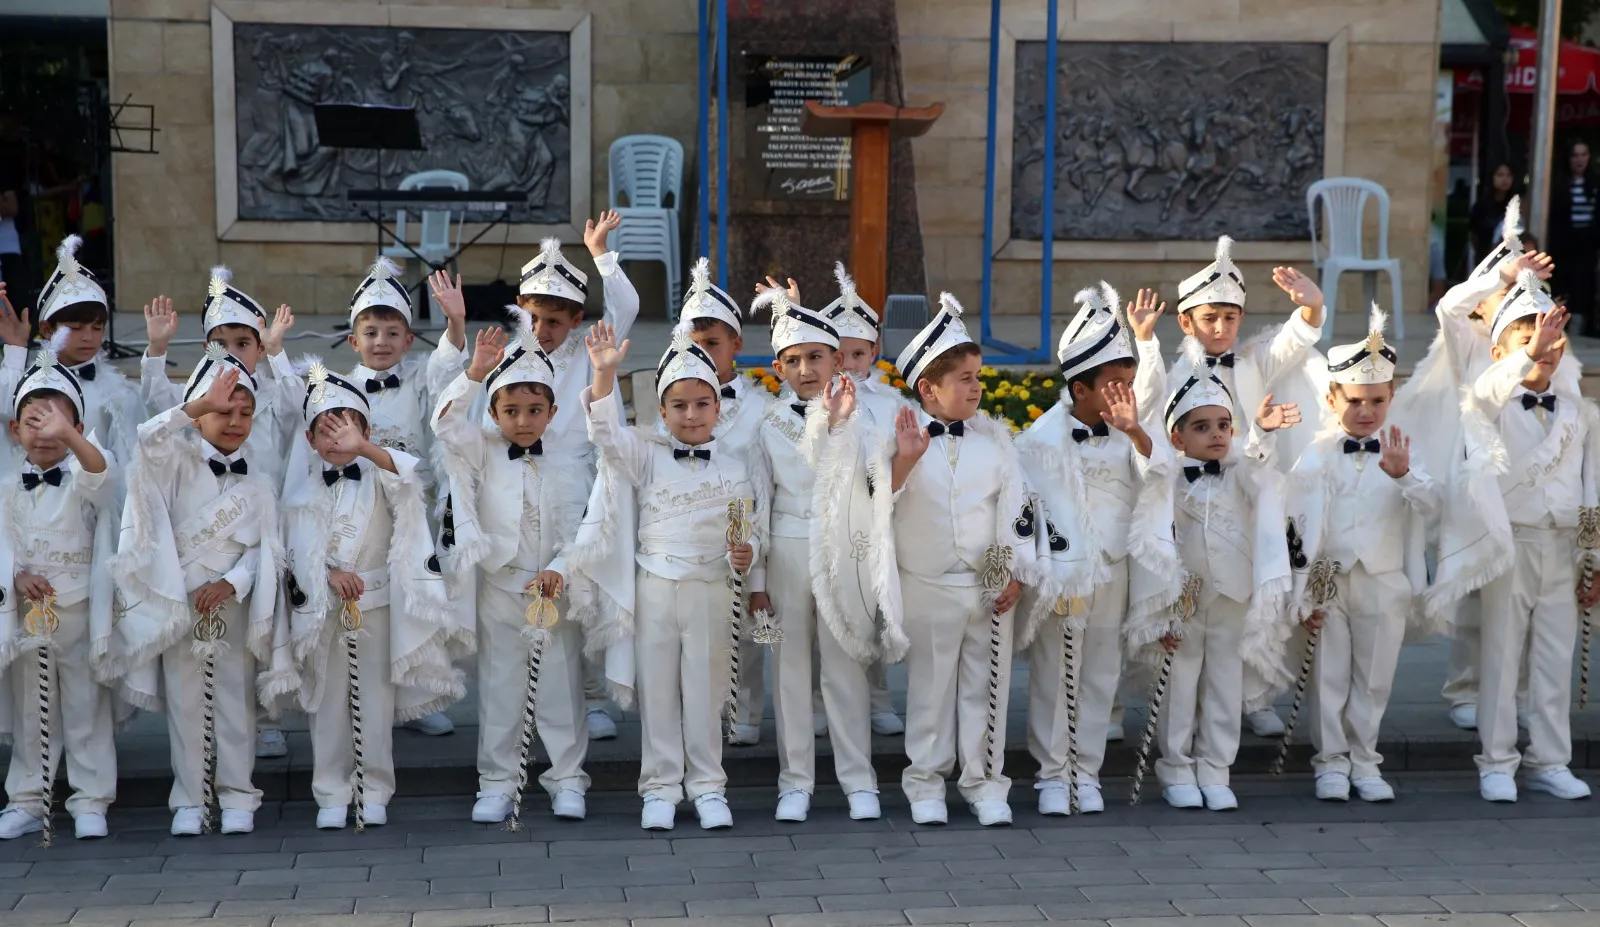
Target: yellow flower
[[885, 366], [1024, 395], [899, 383], [1014, 426], [883, 379], [1046, 384], [987, 371], [1034, 412]]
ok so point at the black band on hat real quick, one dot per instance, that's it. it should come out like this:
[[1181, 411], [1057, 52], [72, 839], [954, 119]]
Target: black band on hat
[[1387, 354], [812, 319], [570, 277], [241, 299], [1110, 336], [336, 380], [858, 310], [65, 371], [722, 298], [1215, 276], [370, 281], [55, 281], [932, 339], [1193, 382], [694, 349], [510, 361], [205, 366]]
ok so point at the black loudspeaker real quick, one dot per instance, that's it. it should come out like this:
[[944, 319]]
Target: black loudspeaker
[[487, 302]]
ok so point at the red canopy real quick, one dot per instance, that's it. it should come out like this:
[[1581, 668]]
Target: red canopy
[[1579, 67]]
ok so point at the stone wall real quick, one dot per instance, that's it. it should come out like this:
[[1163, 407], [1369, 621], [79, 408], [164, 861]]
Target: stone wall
[[1382, 53]]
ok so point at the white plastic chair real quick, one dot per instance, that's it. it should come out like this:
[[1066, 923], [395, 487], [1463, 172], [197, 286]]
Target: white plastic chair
[[1345, 201], [651, 235], [648, 170], [437, 239]]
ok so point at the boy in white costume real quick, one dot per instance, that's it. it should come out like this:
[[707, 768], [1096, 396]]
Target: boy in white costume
[[1103, 492], [687, 486], [359, 553], [1278, 361], [1359, 500], [806, 357], [200, 537], [1230, 540], [74, 306], [518, 502], [965, 546], [60, 520], [1533, 443]]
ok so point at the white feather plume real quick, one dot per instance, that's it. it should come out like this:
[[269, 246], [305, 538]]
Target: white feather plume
[[681, 340], [684, 328], [700, 276], [1224, 250], [220, 276], [1193, 353], [384, 269], [550, 250], [948, 303], [1089, 296], [50, 352], [1511, 228], [67, 254], [306, 363], [1377, 320], [525, 333], [1114, 300], [215, 351], [847, 284], [775, 297], [1528, 280]]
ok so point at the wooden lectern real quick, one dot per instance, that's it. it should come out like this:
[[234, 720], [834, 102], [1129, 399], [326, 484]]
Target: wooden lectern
[[869, 126]]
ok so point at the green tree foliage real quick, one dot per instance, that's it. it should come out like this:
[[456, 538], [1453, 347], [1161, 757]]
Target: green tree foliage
[[1575, 14]]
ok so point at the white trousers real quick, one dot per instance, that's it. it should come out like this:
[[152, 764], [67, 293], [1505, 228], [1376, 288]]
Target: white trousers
[[843, 681], [183, 679], [1199, 725], [1096, 669], [333, 761], [681, 638], [1529, 614], [1461, 679], [753, 681], [950, 670], [80, 723], [503, 692], [1353, 675]]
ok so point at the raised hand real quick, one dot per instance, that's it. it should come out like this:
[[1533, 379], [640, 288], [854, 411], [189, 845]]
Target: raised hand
[[1142, 315], [14, 328], [487, 353], [1299, 287], [910, 438], [1122, 410], [272, 338], [1542, 265], [1396, 459], [447, 293], [1547, 334], [1272, 417], [160, 325], [604, 352], [344, 435], [792, 290], [49, 423], [595, 231], [839, 398], [218, 397]]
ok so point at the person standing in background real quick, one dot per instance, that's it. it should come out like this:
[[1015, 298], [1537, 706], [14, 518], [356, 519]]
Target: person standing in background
[[1573, 240], [12, 269]]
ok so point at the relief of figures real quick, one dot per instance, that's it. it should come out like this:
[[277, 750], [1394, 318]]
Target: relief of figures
[[1170, 141], [495, 106]]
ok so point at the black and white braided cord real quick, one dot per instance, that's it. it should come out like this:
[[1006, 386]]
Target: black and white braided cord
[[1147, 740], [1070, 679], [47, 835], [991, 729], [530, 704], [358, 773], [1307, 662]]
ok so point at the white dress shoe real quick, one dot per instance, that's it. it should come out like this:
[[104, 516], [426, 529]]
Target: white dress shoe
[[600, 725], [1219, 798], [569, 805], [930, 811], [864, 806], [491, 807], [1558, 781], [434, 725], [237, 821], [14, 822], [1090, 801], [90, 825], [1372, 788], [1183, 796], [374, 814], [186, 822], [819, 724], [1114, 733], [991, 812], [1464, 716], [1497, 786], [1053, 798], [270, 743], [1264, 723], [745, 735], [793, 806], [713, 811], [1333, 786], [887, 724], [332, 818], [658, 813]]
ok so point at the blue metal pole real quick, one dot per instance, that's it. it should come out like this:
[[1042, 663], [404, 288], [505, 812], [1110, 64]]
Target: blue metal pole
[[1047, 261], [988, 170], [705, 128], [722, 143]]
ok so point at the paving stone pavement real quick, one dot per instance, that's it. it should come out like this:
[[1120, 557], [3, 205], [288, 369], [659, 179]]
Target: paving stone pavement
[[1437, 856]]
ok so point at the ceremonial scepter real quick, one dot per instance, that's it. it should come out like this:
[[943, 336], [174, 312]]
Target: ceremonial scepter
[[1323, 591], [996, 577], [538, 621], [1067, 609], [738, 535], [41, 623], [209, 629], [1588, 540], [350, 620], [1184, 608]]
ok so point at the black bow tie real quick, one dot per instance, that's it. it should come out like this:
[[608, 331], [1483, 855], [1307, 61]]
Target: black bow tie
[[679, 453], [84, 373], [219, 468], [729, 392], [31, 481], [516, 450], [1225, 359], [1211, 467], [954, 429], [1370, 445], [382, 383], [349, 472], [799, 408], [1533, 400], [1081, 435]]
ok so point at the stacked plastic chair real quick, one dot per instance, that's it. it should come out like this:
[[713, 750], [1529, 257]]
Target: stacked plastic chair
[[647, 188]]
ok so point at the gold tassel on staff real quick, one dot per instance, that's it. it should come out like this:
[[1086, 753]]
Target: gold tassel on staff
[[1588, 540], [209, 630], [1323, 591], [739, 531], [350, 620], [996, 577], [41, 624], [538, 621], [1188, 602]]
